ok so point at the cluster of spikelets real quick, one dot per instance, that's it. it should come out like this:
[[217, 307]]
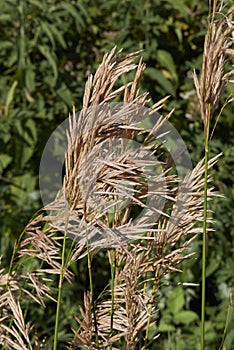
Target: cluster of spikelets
[[104, 204]]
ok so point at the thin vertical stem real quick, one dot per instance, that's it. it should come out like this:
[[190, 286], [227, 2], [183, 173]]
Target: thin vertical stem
[[91, 291], [61, 277], [113, 270], [204, 245], [227, 324], [155, 288], [148, 326], [21, 38]]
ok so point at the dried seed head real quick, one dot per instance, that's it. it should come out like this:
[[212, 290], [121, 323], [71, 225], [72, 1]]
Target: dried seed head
[[216, 69]]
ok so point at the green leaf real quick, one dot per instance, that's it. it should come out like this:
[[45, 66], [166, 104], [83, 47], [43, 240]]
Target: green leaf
[[45, 51], [164, 327], [10, 97], [30, 137], [18, 127], [185, 317], [158, 76], [5, 45], [65, 94], [47, 30], [5, 17], [30, 79], [39, 4], [213, 266], [5, 130], [166, 60], [70, 9], [180, 6], [176, 300], [23, 186], [27, 141], [5, 160], [31, 129], [59, 37]]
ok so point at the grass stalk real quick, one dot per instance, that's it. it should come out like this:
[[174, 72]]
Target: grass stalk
[[155, 288], [148, 326], [227, 324], [59, 300], [204, 242], [92, 296], [113, 270]]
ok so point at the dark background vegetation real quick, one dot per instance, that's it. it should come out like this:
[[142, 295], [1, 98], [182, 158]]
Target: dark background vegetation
[[47, 50]]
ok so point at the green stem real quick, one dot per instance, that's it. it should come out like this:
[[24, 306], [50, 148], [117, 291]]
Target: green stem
[[204, 245], [227, 324], [91, 291], [61, 277], [21, 38]]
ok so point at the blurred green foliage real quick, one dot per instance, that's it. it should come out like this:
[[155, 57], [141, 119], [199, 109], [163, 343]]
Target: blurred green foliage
[[47, 50]]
